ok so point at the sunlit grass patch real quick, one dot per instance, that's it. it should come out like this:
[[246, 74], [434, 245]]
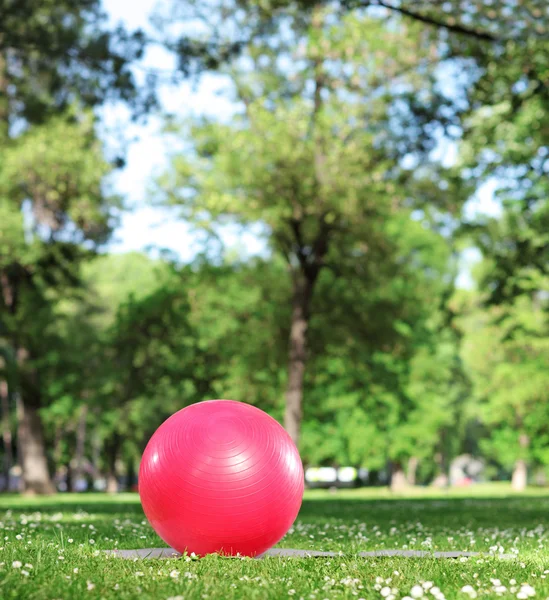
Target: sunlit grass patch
[[52, 548]]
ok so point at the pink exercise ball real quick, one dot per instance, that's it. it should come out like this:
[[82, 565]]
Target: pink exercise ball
[[221, 476]]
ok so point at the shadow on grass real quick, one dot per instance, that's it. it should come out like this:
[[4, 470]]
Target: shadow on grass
[[513, 511], [107, 504]]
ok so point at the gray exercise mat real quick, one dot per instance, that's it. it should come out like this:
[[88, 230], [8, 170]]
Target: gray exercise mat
[[284, 552]]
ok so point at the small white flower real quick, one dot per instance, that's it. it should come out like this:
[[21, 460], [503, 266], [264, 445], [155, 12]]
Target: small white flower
[[28, 566], [527, 590], [427, 585], [174, 574], [467, 589], [386, 591], [91, 586], [60, 557], [18, 537], [500, 589], [291, 592], [139, 574], [24, 573], [92, 541], [416, 591], [75, 570], [16, 564], [70, 540]]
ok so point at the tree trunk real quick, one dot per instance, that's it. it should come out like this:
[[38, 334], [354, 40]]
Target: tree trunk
[[113, 449], [297, 355], [57, 453], [96, 454], [519, 479], [398, 478], [36, 478], [6, 433], [80, 444], [112, 482], [310, 255], [540, 477], [441, 479], [4, 99], [413, 463], [520, 476], [30, 438], [130, 467]]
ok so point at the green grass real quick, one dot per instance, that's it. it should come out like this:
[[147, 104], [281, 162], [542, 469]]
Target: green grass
[[62, 538]]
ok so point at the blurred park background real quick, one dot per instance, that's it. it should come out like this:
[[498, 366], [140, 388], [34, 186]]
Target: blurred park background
[[336, 211]]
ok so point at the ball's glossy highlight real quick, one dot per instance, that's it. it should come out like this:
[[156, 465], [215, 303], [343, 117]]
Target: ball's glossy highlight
[[221, 476]]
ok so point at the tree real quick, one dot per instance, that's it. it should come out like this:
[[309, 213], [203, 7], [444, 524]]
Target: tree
[[52, 53], [439, 388], [55, 169], [471, 20], [505, 139], [75, 401], [56, 58], [506, 349], [316, 158], [184, 342], [371, 400]]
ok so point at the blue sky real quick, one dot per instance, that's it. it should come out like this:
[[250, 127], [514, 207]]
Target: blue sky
[[145, 226]]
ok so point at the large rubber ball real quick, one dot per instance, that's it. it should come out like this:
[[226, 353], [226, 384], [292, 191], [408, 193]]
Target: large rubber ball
[[221, 476]]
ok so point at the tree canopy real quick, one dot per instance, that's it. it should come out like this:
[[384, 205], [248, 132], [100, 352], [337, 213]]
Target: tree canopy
[[351, 326]]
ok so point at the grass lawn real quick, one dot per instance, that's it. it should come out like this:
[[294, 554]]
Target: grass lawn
[[51, 548]]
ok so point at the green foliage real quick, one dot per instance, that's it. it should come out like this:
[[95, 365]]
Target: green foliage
[[505, 141], [316, 160], [59, 168], [506, 352], [57, 61], [386, 381], [55, 52], [333, 158], [466, 21]]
